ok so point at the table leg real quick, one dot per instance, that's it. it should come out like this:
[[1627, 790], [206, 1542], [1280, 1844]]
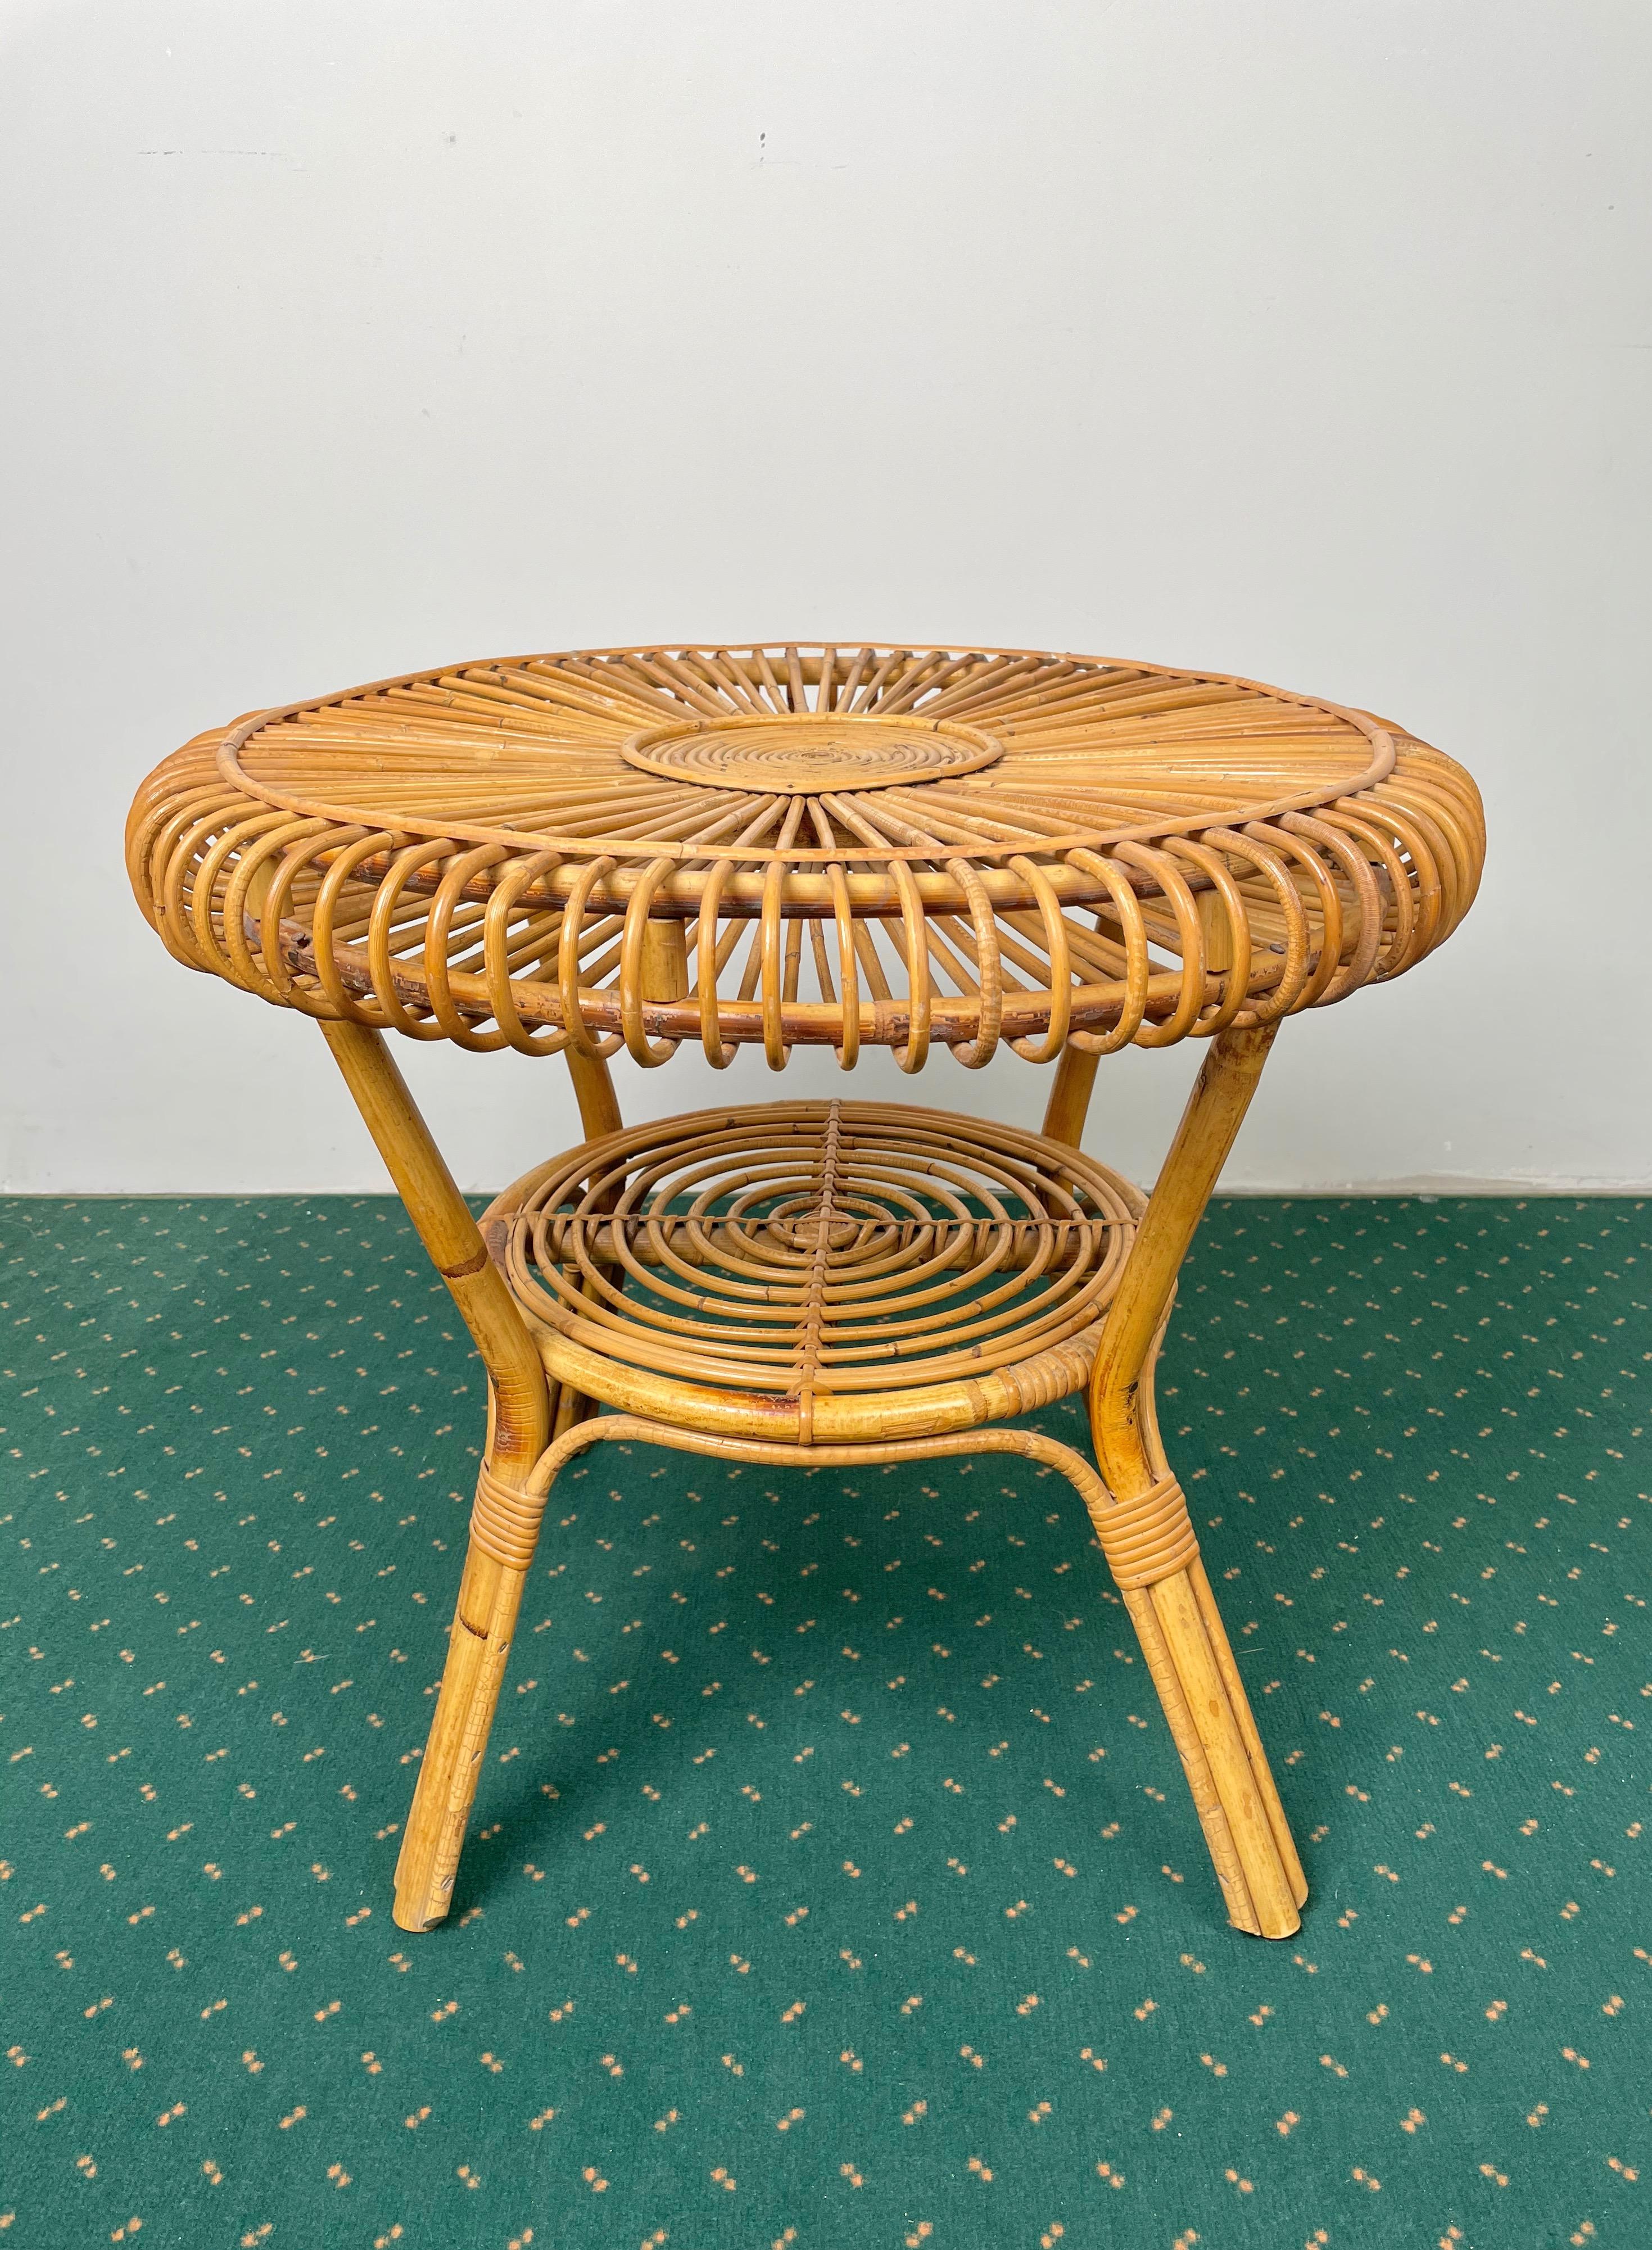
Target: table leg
[[1069, 1099], [1151, 1545], [519, 1424], [594, 1091]]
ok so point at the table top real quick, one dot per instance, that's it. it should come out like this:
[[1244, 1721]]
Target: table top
[[806, 844]]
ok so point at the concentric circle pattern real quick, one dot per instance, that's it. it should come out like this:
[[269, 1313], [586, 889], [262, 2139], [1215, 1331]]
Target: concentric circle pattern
[[808, 1251], [846, 845], [808, 755]]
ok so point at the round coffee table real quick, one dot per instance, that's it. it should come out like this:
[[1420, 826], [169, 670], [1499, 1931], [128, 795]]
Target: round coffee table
[[830, 846]]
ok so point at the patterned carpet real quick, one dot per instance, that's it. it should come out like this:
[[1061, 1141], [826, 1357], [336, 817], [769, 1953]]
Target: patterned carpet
[[831, 1877]]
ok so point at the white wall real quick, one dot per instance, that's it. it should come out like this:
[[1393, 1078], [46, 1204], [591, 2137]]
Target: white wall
[[1311, 342]]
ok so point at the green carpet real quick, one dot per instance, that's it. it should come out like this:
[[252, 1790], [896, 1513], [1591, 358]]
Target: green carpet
[[832, 1878]]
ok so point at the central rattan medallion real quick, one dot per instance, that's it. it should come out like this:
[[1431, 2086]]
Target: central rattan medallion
[[806, 754]]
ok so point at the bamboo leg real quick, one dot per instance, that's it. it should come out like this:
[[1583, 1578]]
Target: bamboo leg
[[1175, 1615], [503, 1528], [1223, 1653], [1069, 1102], [1069, 1099], [594, 1091]]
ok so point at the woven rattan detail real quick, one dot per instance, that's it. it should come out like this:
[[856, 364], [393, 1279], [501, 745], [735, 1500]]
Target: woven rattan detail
[[852, 845], [1148, 1538], [812, 755], [504, 1522], [792, 1250]]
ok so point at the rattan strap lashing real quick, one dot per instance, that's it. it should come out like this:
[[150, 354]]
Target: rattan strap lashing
[[505, 1522], [1148, 1538]]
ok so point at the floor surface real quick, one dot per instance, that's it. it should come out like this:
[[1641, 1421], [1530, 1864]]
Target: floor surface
[[833, 1880]]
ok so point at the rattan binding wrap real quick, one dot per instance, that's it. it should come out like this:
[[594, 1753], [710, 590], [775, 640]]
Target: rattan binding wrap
[[505, 1522], [1149, 1538], [825, 845]]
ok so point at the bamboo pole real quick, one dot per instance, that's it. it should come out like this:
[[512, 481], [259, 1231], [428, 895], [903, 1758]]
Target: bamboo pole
[[1209, 1716], [594, 1092], [1069, 1099], [490, 1591]]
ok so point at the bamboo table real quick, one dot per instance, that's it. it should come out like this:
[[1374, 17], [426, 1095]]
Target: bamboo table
[[817, 845]]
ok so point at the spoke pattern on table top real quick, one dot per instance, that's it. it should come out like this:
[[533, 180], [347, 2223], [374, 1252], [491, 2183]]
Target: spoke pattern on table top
[[1082, 749]]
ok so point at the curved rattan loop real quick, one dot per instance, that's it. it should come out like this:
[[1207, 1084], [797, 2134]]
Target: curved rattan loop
[[848, 1050], [1372, 856], [1055, 945], [1190, 999], [521, 875], [153, 832], [1235, 970], [1138, 965], [708, 961], [976, 1053], [340, 869], [253, 870], [185, 843], [1358, 961], [208, 911], [294, 869], [1331, 977], [445, 909], [573, 923], [1328, 922], [914, 1054], [1432, 876], [1271, 865], [389, 908], [1457, 854], [1374, 842], [770, 939], [1403, 846]]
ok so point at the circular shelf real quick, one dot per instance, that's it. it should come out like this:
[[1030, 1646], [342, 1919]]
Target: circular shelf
[[804, 1256]]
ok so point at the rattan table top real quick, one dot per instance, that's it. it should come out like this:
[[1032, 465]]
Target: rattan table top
[[828, 844]]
